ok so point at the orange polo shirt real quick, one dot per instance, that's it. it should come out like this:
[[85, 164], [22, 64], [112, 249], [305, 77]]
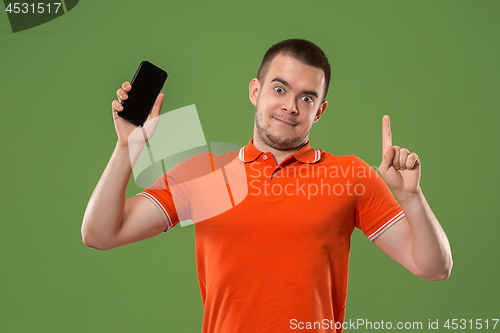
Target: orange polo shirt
[[277, 259]]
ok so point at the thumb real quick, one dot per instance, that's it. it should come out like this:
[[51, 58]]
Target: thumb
[[387, 157], [155, 112]]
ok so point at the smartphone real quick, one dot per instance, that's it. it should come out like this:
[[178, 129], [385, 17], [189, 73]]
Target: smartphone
[[146, 85]]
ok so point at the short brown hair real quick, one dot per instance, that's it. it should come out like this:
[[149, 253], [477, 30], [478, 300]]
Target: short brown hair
[[302, 50]]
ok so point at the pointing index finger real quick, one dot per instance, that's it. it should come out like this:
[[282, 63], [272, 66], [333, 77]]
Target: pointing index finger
[[386, 132]]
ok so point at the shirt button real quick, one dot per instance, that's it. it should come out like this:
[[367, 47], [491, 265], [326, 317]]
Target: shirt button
[[265, 157]]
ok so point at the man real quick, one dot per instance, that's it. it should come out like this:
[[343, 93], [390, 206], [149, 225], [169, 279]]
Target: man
[[280, 257]]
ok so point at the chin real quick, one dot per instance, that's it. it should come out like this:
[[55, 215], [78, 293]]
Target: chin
[[283, 143]]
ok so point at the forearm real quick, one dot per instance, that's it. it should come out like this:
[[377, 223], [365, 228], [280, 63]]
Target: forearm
[[429, 245], [104, 213]]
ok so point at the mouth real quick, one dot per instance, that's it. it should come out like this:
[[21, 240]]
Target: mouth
[[284, 122]]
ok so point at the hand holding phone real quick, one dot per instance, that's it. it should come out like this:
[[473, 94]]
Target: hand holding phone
[[147, 84], [124, 128]]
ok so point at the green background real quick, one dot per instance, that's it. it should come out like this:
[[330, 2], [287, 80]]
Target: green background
[[433, 66]]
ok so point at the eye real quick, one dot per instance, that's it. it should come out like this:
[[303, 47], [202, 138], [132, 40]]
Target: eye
[[307, 99], [279, 90]]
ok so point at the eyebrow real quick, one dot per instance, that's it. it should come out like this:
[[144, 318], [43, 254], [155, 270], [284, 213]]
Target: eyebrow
[[286, 84]]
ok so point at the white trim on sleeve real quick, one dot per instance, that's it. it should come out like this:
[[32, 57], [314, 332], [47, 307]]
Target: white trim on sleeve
[[386, 226], [160, 207]]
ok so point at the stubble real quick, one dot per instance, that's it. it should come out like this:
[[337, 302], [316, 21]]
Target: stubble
[[273, 140]]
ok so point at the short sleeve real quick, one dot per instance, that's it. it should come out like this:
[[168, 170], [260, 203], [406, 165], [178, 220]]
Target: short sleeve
[[195, 189], [160, 195], [173, 192], [376, 208]]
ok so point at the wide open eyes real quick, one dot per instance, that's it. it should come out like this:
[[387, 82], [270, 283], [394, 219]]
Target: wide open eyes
[[306, 98]]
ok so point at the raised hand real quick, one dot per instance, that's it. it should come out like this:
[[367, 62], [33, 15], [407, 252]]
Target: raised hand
[[127, 132], [399, 168]]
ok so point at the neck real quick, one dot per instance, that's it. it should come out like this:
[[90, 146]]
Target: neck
[[279, 155]]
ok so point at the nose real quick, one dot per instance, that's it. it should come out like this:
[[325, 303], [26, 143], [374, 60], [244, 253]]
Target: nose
[[290, 106]]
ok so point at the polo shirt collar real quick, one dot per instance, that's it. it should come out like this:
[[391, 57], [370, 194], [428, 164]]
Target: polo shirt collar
[[306, 154]]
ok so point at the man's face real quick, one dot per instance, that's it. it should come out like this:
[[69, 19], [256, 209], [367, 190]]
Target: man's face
[[287, 102]]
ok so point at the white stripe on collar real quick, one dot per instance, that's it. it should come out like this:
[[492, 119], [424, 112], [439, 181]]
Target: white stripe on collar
[[317, 155], [242, 154]]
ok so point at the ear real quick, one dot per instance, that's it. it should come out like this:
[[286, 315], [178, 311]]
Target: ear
[[321, 110], [253, 90]]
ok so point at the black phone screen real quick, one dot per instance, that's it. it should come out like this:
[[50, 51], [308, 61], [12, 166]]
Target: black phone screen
[[146, 85]]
